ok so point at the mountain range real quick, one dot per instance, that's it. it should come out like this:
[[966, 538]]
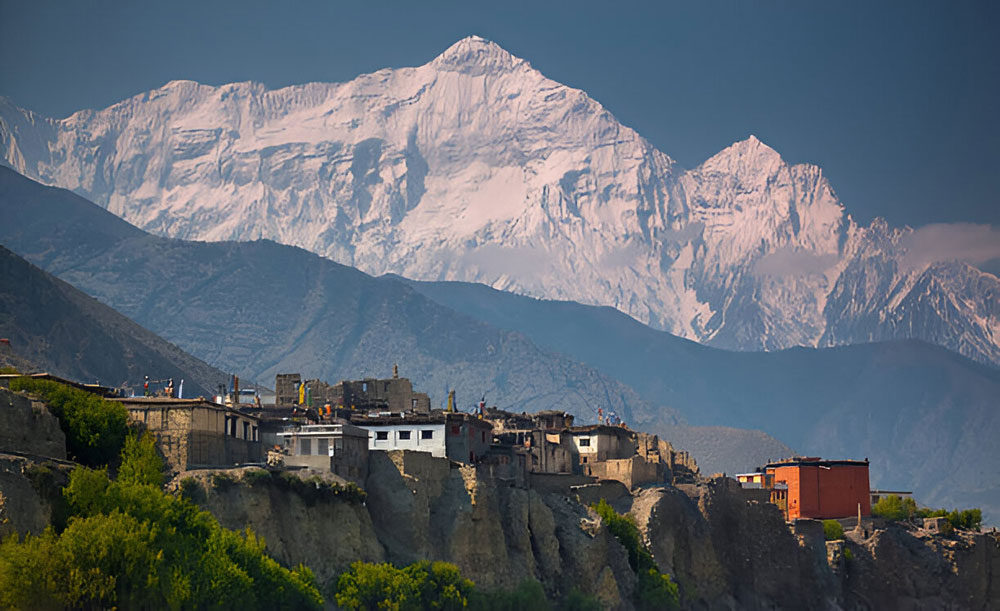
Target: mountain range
[[924, 415], [476, 167], [56, 328]]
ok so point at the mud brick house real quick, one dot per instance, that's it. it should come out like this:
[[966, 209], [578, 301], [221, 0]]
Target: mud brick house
[[195, 433]]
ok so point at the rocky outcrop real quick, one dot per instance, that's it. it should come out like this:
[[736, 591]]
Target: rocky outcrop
[[912, 569], [27, 426], [726, 551], [325, 536], [30, 494], [424, 507]]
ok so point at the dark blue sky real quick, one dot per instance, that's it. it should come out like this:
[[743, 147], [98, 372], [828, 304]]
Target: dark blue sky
[[897, 101]]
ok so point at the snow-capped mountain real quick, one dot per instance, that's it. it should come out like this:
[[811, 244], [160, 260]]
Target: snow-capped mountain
[[476, 167]]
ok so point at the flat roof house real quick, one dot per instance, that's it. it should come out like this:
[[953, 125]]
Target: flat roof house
[[822, 489], [339, 447], [196, 433]]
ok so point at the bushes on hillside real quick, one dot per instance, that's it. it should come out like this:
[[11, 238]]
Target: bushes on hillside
[[656, 590], [439, 585], [129, 545], [893, 507], [832, 530], [95, 428], [422, 585]]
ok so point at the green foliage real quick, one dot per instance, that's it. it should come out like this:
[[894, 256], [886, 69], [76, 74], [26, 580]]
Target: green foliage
[[222, 481], [656, 590], [141, 463], [421, 585], [893, 507], [527, 595], [191, 490], [129, 545], [969, 519], [47, 482], [832, 530], [848, 554], [94, 427], [9, 370], [576, 600]]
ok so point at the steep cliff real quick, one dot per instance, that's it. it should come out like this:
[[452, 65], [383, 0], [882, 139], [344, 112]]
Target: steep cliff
[[724, 549]]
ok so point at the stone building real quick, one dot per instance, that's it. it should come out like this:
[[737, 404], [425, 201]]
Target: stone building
[[600, 442], [196, 433], [286, 388], [394, 394], [339, 447]]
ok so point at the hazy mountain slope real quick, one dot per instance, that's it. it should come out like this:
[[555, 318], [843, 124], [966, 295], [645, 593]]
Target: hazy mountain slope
[[476, 167], [260, 308], [925, 416], [65, 332]]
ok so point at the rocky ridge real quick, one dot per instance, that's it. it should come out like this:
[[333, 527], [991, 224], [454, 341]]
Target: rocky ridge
[[477, 167]]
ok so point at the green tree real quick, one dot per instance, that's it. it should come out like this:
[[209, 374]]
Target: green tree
[[95, 428], [421, 585], [130, 545], [527, 595], [832, 530], [141, 463], [894, 507]]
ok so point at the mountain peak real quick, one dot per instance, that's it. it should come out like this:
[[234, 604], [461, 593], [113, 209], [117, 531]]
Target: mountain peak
[[476, 55], [750, 154]]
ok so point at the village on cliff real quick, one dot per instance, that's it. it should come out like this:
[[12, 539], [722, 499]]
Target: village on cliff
[[310, 426]]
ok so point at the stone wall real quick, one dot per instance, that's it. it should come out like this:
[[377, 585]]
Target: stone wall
[[632, 472]]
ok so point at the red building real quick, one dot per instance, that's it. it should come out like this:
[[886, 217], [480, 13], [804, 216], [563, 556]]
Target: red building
[[822, 489]]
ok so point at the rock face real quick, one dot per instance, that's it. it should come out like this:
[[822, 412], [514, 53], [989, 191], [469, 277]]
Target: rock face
[[28, 427], [476, 167], [326, 537], [729, 552]]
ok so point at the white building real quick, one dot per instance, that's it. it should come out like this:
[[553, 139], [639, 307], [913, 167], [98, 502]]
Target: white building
[[420, 434], [339, 447]]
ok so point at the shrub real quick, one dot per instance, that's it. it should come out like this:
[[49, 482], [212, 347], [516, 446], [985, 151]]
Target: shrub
[[832, 530], [222, 481], [421, 585], [893, 507], [95, 428], [576, 600], [191, 490], [129, 545], [141, 463], [848, 554], [655, 590], [527, 595]]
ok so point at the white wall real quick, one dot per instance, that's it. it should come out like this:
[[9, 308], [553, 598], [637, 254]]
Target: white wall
[[394, 441]]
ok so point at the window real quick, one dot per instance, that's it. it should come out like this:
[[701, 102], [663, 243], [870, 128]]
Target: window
[[246, 430], [305, 447], [381, 435], [585, 442], [322, 447], [404, 435], [338, 445], [427, 434]]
